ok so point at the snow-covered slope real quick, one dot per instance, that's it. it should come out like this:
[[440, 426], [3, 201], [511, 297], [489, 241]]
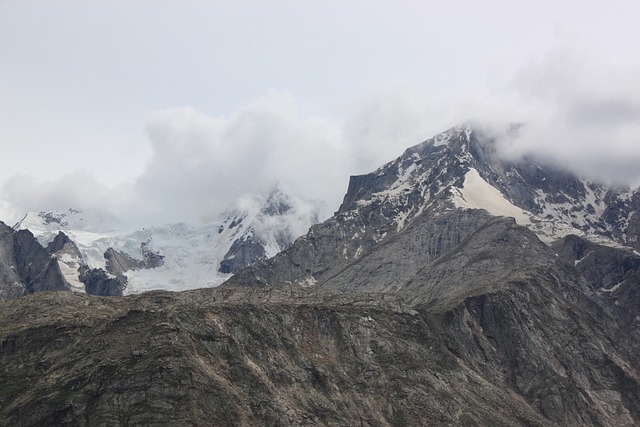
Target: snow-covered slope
[[69, 219], [191, 256], [476, 193]]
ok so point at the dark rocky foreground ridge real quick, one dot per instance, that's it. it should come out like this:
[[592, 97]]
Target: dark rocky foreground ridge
[[308, 357], [405, 308]]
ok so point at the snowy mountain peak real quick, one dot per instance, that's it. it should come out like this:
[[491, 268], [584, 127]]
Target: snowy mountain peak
[[66, 219], [462, 168], [263, 227], [454, 133], [278, 203], [176, 256]]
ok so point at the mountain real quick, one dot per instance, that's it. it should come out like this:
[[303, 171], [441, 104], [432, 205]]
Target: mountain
[[532, 270], [98, 259], [453, 286], [414, 210], [69, 219]]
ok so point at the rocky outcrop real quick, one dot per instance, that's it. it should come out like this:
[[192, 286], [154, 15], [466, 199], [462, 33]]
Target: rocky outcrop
[[118, 263], [35, 266], [112, 281], [274, 228], [99, 282], [243, 252], [150, 258], [613, 271], [11, 285], [27, 267], [62, 242]]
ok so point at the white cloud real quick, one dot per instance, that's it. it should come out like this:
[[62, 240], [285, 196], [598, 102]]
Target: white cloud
[[201, 164], [23, 193], [389, 118], [579, 112]]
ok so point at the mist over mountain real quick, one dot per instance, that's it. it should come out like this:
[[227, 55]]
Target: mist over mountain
[[578, 112], [93, 254]]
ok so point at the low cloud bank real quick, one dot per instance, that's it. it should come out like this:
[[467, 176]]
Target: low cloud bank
[[578, 112]]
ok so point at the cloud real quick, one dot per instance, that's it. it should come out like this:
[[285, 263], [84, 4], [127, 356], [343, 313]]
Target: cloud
[[581, 113], [387, 119], [200, 164], [80, 189]]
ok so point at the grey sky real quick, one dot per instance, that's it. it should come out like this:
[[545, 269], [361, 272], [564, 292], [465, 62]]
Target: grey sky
[[175, 108]]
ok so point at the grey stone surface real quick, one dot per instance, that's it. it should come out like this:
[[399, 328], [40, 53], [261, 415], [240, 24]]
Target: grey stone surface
[[99, 282]]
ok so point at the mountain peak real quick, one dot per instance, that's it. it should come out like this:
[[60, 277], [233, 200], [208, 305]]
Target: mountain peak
[[66, 219], [463, 168], [278, 203]]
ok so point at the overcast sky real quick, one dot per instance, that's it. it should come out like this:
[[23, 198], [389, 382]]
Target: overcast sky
[[171, 110]]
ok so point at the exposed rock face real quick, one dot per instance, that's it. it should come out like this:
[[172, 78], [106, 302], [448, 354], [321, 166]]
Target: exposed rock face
[[11, 285], [118, 262], [99, 282], [614, 272], [243, 252], [37, 270], [25, 266], [112, 281], [62, 242], [151, 259]]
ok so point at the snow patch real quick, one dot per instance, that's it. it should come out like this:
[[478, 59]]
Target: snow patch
[[69, 270], [578, 261], [612, 289], [358, 252], [476, 193], [308, 282]]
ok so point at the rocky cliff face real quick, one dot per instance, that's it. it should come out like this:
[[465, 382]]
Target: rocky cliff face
[[613, 272], [11, 285], [25, 266]]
